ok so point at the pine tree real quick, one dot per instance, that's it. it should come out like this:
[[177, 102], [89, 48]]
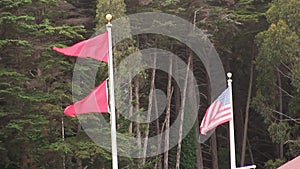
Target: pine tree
[[35, 86]]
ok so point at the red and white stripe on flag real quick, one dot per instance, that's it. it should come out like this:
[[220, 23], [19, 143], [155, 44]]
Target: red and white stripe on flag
[[219, 112]]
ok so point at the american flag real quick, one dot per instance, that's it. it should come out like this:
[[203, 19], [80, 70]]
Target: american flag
[[219, 112]]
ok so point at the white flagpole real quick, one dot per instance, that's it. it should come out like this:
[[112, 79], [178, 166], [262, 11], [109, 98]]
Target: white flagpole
[[112, 97], [231, 125], [231, 130]]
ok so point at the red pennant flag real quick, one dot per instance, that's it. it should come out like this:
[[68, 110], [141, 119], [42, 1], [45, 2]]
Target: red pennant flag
[[96, 101], [219, 112], [96, 48]]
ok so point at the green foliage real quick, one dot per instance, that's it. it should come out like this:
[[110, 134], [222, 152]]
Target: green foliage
[[9, 18], [285, 10], [116, 8], [273, 164], [279, 132], [33, 83], [296, 75], [276, 66], [60, 146], [188, 153], [10, 42], [69, 31]]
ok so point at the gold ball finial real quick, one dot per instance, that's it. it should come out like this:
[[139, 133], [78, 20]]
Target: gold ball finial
[[108, 17]]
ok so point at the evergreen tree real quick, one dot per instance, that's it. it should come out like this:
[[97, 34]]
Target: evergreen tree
[[35, 88], [276, 65]]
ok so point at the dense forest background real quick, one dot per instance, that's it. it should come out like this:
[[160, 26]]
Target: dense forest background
[[257, 40]]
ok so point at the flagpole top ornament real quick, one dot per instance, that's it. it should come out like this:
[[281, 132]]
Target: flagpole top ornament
[[108, 17], [229, 75]]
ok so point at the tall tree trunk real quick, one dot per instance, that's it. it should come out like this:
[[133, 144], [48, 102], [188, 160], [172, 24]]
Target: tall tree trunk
[[199, 158], [24, 158], [280, 109], [250, 151], [214, 151], [181, 113], [130, 105], [158, 164], [243, 153], [79, 163], [137, 107], [199, 150], [167, 118], [149, 111], [213, 141]]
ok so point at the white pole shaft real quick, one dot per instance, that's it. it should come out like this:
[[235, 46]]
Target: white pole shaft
[[231, 126], [112, 101]]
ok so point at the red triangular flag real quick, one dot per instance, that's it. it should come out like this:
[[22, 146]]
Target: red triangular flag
[[96, 101], [96, 48]]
